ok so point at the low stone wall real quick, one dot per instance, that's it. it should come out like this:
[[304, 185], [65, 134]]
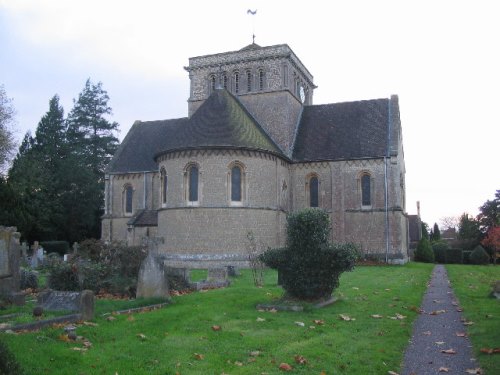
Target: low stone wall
[[205, 261]]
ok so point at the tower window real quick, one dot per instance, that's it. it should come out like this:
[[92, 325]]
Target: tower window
[[236, 82], [163, 186], [249, 81], [261, 80]]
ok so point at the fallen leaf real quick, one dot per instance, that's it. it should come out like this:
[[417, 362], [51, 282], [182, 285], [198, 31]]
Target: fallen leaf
[[261, 319], [87, 344], [273, 310], [355, 288], [237, 363], [490, 350], [461, 334], [449, 351], [392, 373], [130, 318], [300, 360], [468, 323], [110, 318], [255, 353], [427, 333], [64, 338], [300, 324], [345, 317], [436, 301], [444, 369], [216, 328], [397, 317], [142, 336], [198, 356], [90, 324], [376, 316], [439, 342], [474, 371], [285, 367], [437, 312], [318, 322], [454, 303], [79, 349]]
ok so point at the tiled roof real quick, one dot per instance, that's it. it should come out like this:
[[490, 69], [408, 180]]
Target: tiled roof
[[144, 218], [221, 121], [341, 131]]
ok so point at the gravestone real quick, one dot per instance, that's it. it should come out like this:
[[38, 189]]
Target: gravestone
[[152, 280], [9, 265], [217, 274], [82, 302]]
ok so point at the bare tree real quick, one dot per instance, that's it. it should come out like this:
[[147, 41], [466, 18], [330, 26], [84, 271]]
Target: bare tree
[[449, 222]]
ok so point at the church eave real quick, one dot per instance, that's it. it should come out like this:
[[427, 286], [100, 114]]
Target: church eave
[[239, 148]]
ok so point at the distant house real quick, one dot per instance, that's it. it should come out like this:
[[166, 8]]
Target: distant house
[[253, 149]]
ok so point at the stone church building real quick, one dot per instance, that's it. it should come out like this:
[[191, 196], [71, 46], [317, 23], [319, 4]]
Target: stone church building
[[252, 149]]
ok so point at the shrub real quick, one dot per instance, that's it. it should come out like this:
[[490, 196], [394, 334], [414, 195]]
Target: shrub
[[309, 265], [439, 248], [28, 279], [91, 249], [424, 252], [454, 256], [8, 363], [62, 276], [60, 247], [466, 256], [479, 256]]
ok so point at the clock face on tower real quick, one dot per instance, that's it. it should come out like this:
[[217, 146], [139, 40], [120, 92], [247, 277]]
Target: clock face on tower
[[302, 94]]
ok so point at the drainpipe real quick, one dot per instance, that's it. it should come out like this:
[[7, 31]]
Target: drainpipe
[[386, 187]]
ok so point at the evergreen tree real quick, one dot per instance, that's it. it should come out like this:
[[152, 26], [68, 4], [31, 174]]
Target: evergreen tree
[[468, 228], [435, 234], [93, 143], [489, 215], [7, 113]]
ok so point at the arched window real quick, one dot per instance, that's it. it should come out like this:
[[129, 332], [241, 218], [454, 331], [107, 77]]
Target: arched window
[[224, 80], [212, 80], [261, 79], [236, 184], [192, 175], [366, 190], [236, 82], [128, 195], [163, 186], [314, 191], [249, 81]]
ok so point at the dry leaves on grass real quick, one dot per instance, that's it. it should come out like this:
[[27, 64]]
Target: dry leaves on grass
[[427, 333], [300, 324], [285, 367], [261, 319], [377, 316], [300, 360], [318, 322], [461, 334], [444, 369], [467, 323], [392, 373], [142, 336], [397, 317], [346, 317], [490, 350], [110, 318], [216, 328], [198, 356]]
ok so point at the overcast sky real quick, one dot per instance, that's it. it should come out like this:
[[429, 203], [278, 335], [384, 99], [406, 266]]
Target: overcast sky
[[441, 57]]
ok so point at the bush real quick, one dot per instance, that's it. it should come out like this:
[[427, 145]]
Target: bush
[[479, 256], [62, 276], [439, 248], [8, 363], [309, 265], [91, 249], [29, 279], [466, 256], [424, 252], [454, 256], [60, 247]]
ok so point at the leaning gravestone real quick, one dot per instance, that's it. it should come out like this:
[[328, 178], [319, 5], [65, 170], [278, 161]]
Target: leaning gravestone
[[9, 265], [152, 280]]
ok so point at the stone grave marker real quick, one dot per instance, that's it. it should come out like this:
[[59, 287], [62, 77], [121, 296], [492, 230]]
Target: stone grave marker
[[9, 265], [82, 302], [217, 274], [152, 280]]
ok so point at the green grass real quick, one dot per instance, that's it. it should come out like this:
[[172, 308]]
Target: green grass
[[180, 338], [472, 286]]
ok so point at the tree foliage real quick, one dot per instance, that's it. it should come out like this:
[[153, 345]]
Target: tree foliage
[[489, 214], [468, 228], [424, 252], [435, 234], [310, 265], [57, 176], [7, 116]]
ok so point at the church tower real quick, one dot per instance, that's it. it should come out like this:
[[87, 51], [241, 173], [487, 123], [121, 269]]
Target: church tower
[[271, 82]]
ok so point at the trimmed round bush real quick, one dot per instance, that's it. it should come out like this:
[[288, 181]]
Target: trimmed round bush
[[439, 248], [424, 252], [309, 265], [479, 256]]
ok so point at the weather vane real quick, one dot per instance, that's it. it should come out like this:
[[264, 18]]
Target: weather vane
[[252, 13]]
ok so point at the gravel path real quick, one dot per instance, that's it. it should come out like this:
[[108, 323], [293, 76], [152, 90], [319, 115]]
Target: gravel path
[[439, 332]]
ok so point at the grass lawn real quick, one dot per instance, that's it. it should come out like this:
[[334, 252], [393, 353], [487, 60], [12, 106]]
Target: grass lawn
[[180, 338], [472, 286]]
